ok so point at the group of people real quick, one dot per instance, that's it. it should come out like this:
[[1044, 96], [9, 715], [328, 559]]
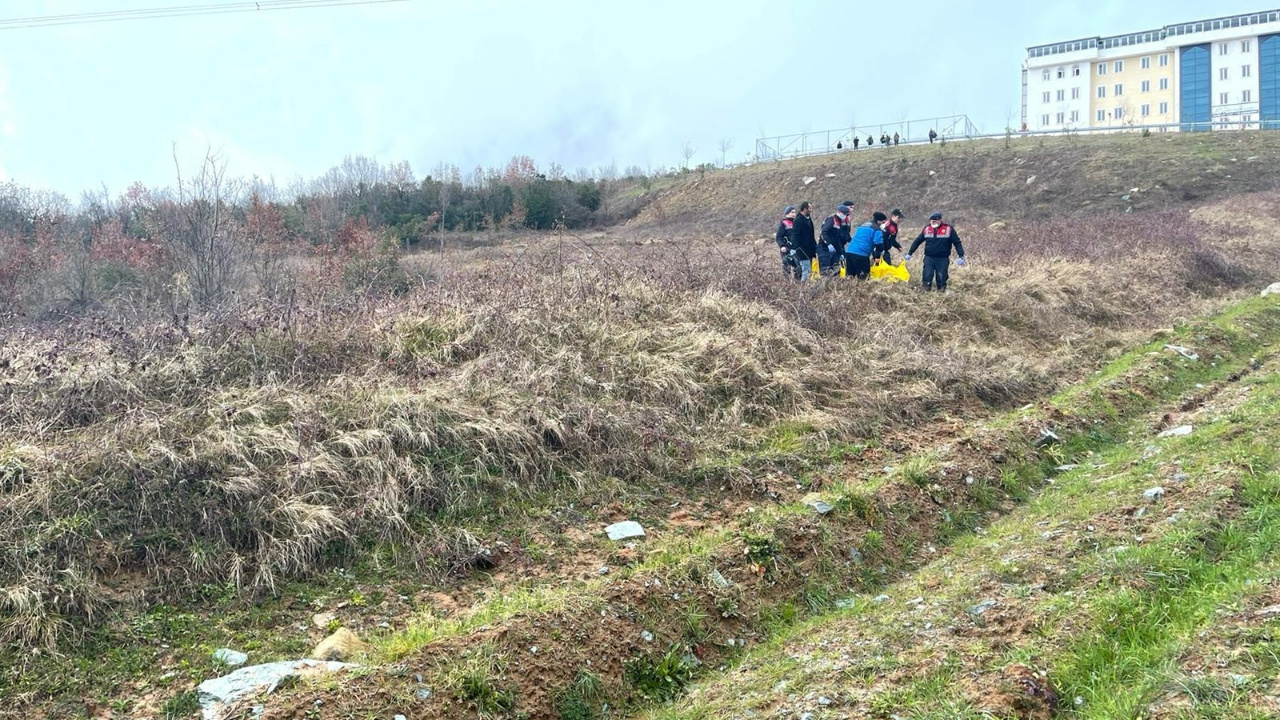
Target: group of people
[[840, 245], [885, 140]]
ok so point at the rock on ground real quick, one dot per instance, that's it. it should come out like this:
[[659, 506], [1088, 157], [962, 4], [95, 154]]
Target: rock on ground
[[220, 693], [229, 657], [1273, 289], [340, 646]]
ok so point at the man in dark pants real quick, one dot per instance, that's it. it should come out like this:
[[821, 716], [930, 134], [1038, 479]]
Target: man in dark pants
[[891, 236], [835, 236], [938, 239], [866, 243], [803, 242], [782, 236]]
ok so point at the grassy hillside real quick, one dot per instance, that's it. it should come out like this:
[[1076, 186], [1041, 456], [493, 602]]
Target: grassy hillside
[[1141, 584], [427, 468], [977, 183]]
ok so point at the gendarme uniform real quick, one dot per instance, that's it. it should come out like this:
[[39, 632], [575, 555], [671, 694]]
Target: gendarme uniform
[[938, 242]]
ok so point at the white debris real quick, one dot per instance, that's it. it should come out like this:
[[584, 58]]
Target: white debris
[[624, 530], [1180, 431], [1154, 494]]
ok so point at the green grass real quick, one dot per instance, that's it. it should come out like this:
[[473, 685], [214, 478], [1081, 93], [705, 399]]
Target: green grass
[[1119, 618]]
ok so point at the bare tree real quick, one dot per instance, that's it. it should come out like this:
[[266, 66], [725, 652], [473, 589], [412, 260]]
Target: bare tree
[[687, 152], [726, 144], [199, 226]]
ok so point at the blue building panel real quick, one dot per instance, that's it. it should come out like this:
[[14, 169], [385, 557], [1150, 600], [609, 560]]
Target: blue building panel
[[1269, 80], [1196, 80]]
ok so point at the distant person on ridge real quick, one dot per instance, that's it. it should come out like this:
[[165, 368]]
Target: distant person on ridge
[[938, 239], [839, 145], [803, 242], [884, 139], [835, 236], [783, 237], [856, 140], [933, 135], [866, 243], [870, 141], [891, 236], [895, 139]]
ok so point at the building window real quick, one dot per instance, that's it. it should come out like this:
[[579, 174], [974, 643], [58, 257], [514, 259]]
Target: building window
[[1247, 96], [1045, 75], [1164, 83], [1119, 66], [1119, 89], [1223, 98], [1102, 91], [1248, 118], [1062, 72], [1146, 86], [1118, 114], [1146, 110], [1102, 115], [1222, 48], [1246, 71], [1075, 116], [1164, 108], [1075, 93], [1146, 63], [1044, 120], [1062, 118], [1224, 74], [1076, 71], [1246, 46], [1164, 60], [1045, 97], [1102, 68]]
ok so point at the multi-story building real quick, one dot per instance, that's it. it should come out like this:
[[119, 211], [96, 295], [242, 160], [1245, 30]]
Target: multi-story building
[[1221, 73]]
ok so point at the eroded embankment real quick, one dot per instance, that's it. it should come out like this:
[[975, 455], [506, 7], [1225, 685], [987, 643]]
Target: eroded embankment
[[642, 634]]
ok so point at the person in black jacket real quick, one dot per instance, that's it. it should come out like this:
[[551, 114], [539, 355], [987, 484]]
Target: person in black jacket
[[891, 236], [856, 140], [782, 236], [803, 241], [938, 239], [835, 236]]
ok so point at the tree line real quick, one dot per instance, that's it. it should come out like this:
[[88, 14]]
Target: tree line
[[211, 235]]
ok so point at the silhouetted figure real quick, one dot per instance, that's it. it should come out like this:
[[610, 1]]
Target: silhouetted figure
[[856, 140], [870, 141], [839, 146], [932, 136], [895, 139]]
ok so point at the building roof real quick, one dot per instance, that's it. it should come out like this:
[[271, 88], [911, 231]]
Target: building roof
[[1182, 28]]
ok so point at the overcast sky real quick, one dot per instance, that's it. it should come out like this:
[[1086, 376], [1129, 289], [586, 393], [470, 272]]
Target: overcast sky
[[581, 82]]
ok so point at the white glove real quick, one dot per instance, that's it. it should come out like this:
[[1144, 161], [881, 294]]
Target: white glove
[[906, 257], [831, 248], [960, 261]]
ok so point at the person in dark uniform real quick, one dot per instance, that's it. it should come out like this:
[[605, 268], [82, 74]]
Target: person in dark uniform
[[856, 140], [891, 236], [933, 135], [782, 236], [835, 237], [938, 239]]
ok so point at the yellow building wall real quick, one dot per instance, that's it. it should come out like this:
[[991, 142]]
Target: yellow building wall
[[1131, 101]]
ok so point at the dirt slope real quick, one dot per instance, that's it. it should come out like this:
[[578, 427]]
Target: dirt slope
[[975, 182]]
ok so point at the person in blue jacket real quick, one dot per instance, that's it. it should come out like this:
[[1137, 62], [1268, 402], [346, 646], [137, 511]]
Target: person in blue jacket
[[867, 243]]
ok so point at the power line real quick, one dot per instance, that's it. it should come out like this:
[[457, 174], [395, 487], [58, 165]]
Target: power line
[[172, 11]]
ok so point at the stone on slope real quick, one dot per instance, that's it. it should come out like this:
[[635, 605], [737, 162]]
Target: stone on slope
[[341, 646], [218, 694]]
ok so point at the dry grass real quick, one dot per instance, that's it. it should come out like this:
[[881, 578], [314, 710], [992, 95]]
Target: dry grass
[[261, 443]]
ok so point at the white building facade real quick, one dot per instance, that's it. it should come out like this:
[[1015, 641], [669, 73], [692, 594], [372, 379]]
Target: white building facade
[[1222, 73]]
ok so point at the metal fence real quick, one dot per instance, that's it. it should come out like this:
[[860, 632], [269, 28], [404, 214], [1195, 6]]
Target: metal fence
[[822, 142], [825, 142]]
